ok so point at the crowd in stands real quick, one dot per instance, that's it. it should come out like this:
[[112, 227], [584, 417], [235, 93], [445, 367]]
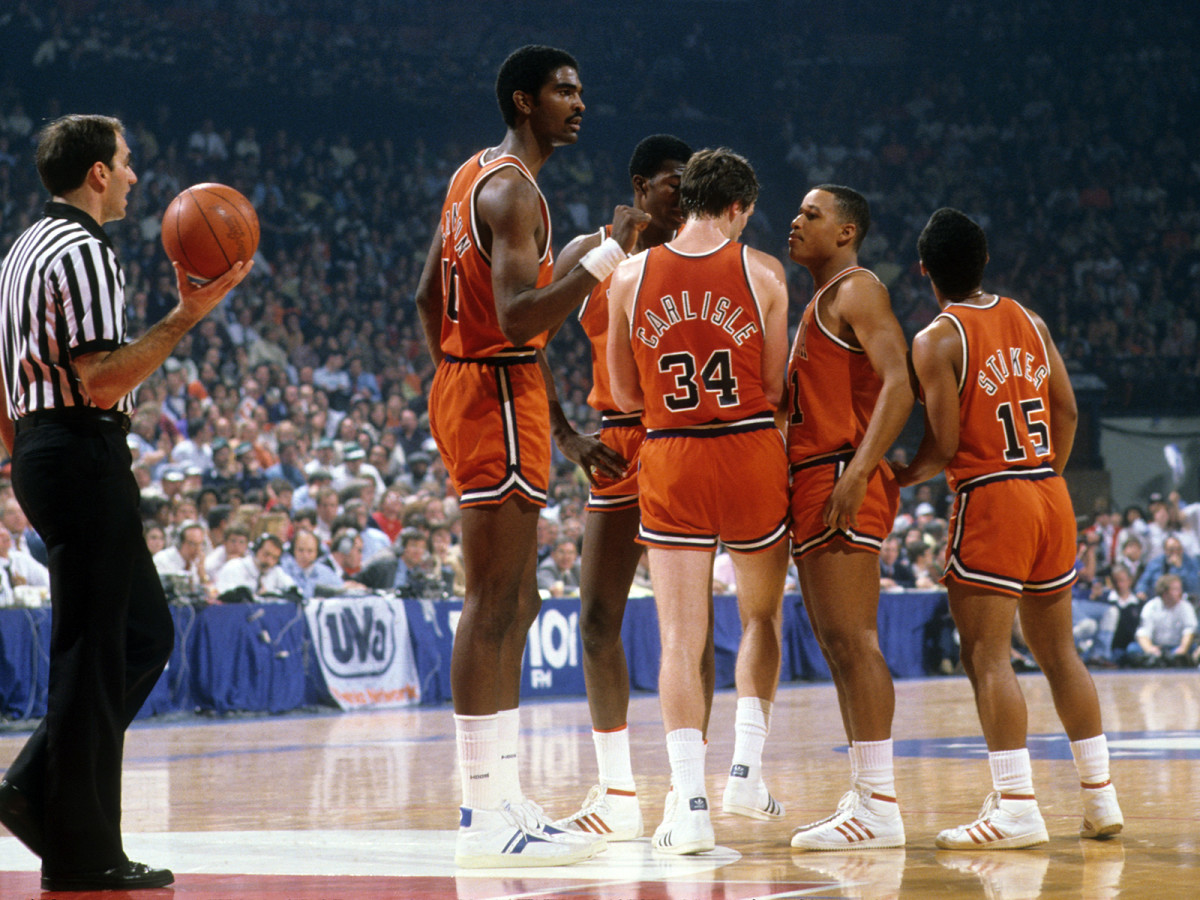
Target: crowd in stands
[[299, 405], [1139, 585]]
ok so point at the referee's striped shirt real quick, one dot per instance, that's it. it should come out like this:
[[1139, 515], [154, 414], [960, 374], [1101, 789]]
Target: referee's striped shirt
[[62, 294]]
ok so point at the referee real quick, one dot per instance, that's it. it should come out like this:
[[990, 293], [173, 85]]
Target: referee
[[68, 375]]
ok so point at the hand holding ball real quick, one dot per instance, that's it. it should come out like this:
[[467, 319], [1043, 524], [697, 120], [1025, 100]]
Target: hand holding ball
[[208, 228]]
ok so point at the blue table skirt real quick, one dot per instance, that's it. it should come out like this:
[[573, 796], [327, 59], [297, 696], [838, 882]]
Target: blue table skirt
[[255, 657]]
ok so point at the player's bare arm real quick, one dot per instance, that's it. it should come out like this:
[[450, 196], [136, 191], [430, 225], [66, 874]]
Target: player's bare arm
[[510, 208], [935, 352], [864, 307], [429, 297], [622, 368], [574, 252], [1064, 414], [107, 376], [585, 450], [770, 286]]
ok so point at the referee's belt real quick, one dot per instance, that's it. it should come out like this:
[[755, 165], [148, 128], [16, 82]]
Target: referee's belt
[[74, 416]]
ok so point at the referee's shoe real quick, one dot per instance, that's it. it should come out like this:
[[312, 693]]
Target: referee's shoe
[[18, 816], [130, 876]]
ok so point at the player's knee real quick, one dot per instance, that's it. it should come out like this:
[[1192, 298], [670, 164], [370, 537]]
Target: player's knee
[[848, 648]]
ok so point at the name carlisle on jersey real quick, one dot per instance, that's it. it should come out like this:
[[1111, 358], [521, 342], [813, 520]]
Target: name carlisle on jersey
[[674, 311], [1015, 363]]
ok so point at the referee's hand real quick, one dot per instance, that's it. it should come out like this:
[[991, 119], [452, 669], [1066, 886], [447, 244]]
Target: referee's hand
[[198, 299]]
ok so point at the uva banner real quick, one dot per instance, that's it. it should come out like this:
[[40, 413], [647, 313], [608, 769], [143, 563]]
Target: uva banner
[[363, 648]]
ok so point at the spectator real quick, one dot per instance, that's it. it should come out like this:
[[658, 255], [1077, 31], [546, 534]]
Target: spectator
[[1166, 628], [288, 466], [306, 496], [184, 562], [1172, 561], [301, 564], [156, 538], [449, 556], [235, 541], [923, 561], [1130, 556], [559, 574], [328, 508], [895, 573], [411, 436], [388, 517], [412, 572], [258, 572], [1128, 609], [338, 567], [548, 533], [18, 569]]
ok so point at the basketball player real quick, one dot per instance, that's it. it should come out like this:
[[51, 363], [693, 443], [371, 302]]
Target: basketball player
[[610, 549], [1000, 418], [486, 303], [697, 339], [849, 398]]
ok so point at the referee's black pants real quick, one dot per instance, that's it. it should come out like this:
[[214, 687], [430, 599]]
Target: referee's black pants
[[111, 637]]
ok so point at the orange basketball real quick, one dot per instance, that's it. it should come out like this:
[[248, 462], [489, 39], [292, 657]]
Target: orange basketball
[[208, 228]]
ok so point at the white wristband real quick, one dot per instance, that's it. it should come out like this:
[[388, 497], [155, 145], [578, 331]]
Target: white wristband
[[602, 261]]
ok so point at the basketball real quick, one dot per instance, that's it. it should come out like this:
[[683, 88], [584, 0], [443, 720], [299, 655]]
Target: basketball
[[208, 228]]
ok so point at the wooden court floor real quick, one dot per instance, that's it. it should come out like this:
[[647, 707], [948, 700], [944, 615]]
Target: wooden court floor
[[334, 806]]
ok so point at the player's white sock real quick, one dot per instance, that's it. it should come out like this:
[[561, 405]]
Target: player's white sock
[[750, 729], [875, 768], [612, 758], [686, 750], [1091, 760], [1012, 772], [508, 771], [478, 759]]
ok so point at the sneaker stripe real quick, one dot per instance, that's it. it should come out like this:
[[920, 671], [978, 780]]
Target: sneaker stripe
[[863, 828], [619, 793], [1017, 797], [1095, 787], [583, 823], [596, 824], [854, 831]]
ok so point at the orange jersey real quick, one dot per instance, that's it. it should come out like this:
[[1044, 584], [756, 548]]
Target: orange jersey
[[832, 387], [1003, 392], [696, 329], [593, 318], [470, 326]]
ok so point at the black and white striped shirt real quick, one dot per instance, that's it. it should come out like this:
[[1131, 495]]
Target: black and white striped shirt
[[62, 294]]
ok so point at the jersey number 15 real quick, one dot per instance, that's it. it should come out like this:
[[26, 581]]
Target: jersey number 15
[[1035, 426]]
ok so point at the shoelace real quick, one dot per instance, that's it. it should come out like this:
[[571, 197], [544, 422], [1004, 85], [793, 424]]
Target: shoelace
[[990, 805], [514, 817], [595, 795]]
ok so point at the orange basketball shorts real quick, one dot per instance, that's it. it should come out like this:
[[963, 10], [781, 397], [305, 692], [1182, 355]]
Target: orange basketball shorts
[[491, 421], [812, 483], [624, 433], [1013, 533], [727, 486]]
